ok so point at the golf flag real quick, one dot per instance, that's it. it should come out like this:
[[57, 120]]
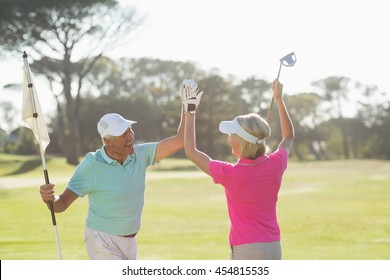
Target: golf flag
[[32, 116]]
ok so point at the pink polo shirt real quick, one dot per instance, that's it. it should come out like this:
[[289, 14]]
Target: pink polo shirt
[[251, 189]]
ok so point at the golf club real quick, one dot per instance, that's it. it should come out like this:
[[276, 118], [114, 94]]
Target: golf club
[[288, 61]]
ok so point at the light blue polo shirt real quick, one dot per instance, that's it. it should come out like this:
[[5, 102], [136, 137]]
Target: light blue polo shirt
[[115, 192]]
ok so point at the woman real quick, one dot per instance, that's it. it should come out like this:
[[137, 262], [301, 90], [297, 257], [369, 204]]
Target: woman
[[252, 184]]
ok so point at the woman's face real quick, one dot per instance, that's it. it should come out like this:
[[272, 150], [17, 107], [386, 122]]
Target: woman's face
[[234, 144]]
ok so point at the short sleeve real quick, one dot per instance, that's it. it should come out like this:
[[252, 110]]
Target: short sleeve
[[82, 180], [220, 171], [281, 156], [147, 152]]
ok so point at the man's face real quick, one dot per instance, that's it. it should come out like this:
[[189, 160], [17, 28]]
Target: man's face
[[123, 145]]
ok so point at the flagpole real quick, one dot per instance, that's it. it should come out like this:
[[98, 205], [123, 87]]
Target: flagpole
[[42, 151]]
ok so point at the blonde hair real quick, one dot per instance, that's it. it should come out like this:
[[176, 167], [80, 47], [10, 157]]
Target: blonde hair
[[258, 127]]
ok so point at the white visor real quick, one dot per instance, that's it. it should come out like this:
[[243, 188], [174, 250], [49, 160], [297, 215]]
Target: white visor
[[233, 127]]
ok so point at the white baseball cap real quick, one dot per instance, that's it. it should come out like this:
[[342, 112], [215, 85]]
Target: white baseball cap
[[113, 124], [233, 127]]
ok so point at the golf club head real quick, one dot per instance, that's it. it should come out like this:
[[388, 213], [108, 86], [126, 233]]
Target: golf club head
[[289, 60]]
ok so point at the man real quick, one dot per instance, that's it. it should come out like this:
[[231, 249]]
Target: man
[[113, 177]]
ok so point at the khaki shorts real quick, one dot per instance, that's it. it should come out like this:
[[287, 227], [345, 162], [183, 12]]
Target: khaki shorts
[[257, 251], [104, 246]]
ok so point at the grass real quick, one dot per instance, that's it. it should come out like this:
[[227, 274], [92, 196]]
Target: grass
[[332, 210]]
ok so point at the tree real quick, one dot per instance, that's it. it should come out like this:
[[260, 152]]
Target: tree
[[303, 109], [8, 115], [21, 141], [218, 104], [145, 90], [377, 119], [153, 83], [335, 91], [256, 93], [65, 39]]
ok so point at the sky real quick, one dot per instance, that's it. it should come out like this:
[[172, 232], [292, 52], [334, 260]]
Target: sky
[[248, 37]]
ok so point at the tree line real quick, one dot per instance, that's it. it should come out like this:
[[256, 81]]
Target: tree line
[[146, 90], [67, 42]]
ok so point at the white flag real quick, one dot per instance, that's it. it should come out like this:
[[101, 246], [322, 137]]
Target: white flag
[[31, 110]]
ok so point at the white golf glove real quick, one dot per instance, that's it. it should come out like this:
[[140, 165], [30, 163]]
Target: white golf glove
[[183, 94], [190, 95]]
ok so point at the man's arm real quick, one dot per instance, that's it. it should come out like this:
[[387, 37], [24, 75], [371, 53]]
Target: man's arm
[[60, 202], [173, 144]]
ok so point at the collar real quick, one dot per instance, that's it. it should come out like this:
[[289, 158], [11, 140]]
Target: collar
[[250, 162], [109, 160], [106, 157]]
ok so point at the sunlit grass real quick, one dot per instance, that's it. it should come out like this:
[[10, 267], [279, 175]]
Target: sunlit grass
[[327, 210]]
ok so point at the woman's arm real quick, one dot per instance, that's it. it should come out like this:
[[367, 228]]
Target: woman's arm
[[199, 158], [286, 124]]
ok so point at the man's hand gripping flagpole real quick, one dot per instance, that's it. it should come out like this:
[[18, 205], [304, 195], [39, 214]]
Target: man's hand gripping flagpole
[[33, 118]]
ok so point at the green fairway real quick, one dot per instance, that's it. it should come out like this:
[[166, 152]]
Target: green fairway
[[327, 210]]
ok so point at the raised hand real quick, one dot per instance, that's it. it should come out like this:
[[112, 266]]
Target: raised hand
[[190, 95]]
